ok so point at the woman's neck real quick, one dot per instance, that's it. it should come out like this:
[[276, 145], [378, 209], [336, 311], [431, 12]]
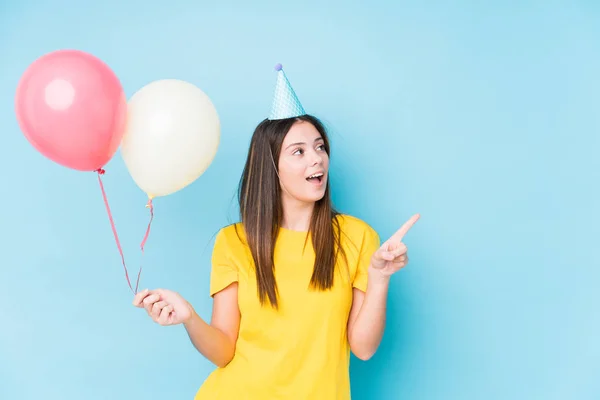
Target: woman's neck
[[297, 215]]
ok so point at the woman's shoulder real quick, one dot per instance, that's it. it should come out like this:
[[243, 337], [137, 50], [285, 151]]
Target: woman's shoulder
[[231, 235], [231, 228]]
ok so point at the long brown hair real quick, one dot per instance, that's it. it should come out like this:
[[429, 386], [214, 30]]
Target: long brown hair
[[261, 211]]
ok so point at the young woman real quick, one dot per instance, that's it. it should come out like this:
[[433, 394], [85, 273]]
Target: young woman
[[296, 286]]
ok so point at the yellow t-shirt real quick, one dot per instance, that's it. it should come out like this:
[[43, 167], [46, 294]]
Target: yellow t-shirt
[[301, 350]]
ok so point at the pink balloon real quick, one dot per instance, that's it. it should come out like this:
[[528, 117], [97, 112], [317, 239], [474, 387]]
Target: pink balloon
[[72, 108]]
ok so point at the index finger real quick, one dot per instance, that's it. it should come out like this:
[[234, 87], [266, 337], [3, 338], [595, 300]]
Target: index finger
[[406, 227]]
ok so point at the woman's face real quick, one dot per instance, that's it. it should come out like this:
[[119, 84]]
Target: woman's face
[[303, 163]]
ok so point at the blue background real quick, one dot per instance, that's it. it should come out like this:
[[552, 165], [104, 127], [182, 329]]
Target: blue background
[[483, 118]]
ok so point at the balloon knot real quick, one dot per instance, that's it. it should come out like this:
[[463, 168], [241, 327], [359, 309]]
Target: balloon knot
[[100, 171]]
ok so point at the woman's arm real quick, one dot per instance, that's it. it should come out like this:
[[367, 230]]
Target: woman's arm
[[217, 341], [367, 316], [366, 321]]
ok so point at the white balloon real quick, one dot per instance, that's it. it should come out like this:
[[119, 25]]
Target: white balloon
[[171, 138]]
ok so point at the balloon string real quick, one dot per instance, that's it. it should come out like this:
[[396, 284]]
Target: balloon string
[[112, 224], [151, 207]]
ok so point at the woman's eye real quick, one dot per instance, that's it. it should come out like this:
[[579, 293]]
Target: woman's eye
[[298, 151]]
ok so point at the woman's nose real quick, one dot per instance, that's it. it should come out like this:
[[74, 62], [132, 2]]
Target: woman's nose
[[317, 159]]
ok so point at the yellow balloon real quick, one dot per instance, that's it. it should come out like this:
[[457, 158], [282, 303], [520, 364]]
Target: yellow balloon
[[171, 138]]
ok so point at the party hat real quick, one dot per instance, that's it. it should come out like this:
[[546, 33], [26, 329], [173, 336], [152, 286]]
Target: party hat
[[285, 102]]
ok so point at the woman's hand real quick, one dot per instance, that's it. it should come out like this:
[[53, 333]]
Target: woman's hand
[[165, 307], [392, 256]]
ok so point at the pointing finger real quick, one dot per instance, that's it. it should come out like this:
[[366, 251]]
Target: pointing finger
[[406, 227]]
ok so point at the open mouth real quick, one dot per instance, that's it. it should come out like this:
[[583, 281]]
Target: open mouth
[[315, 178]]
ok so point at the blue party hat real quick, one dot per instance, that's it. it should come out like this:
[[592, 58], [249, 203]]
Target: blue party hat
[[285, 102]]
